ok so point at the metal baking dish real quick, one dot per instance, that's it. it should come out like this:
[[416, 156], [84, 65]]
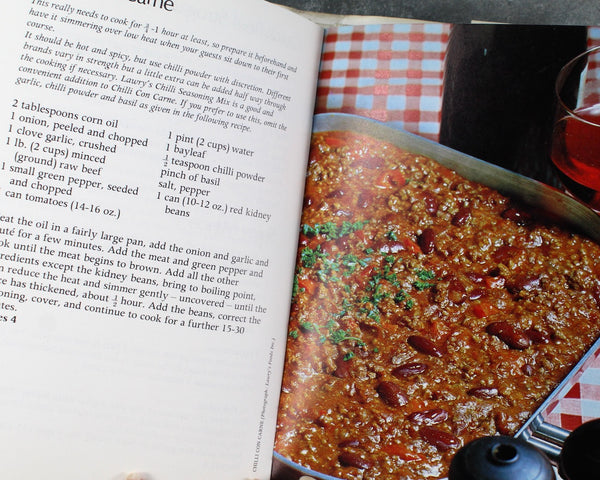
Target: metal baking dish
[[560, 207]]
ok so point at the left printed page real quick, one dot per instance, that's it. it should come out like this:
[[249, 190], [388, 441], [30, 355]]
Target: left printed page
[[151, 178]]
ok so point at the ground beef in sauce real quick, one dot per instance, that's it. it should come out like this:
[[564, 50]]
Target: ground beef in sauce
[[428, 311]]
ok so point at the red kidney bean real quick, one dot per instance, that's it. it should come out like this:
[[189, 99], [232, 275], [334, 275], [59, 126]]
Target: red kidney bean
[[495, 281], [461, 217], [527, 369], [596, 294], [431, 204], [536, 336], [303, 240], [350, 442], [483, 392], [428, 417], [308, 201], [392, 394], [364, 199], [524, 282], [504, 253], [409, 369], [510, 335], [372, 162], [341, 213], [369, 329], [337, 193], [341, 243], [426, 240], [440, 439], [476, 277], [349, 459], [424, 345], [342, 367], [506, 424], [476, 293], [519, 217], [457, 292]]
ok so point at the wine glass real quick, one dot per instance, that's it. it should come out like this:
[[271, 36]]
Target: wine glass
[[575, 149]]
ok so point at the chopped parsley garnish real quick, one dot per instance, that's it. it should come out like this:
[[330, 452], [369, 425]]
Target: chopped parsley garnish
[[423, 282], [331, 231], [425, 274], [331, 332], [374, 314], [330, 269], [309, 256], [327, 270], [351, 262], [340, 335], [420, 285], [400, 297], [308, 326]]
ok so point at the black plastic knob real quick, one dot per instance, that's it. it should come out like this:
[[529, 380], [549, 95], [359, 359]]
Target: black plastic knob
[[580, 454], [500, 458]]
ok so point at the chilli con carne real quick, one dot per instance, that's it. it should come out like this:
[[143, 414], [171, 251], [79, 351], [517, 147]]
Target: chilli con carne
[[428, 310]]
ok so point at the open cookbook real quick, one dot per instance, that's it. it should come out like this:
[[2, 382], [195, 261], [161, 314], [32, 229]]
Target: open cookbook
[[212, 268]]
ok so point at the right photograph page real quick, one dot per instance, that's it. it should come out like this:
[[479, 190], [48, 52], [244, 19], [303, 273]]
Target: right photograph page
[[448, 268]]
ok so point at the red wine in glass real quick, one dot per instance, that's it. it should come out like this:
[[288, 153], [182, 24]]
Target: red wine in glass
[[576, 154], [575, 148]]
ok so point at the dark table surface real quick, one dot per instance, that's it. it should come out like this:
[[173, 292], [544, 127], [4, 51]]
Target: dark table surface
[[559, 12]]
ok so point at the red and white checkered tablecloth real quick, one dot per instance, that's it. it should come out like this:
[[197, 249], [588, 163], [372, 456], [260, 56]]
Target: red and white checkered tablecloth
[[579, 400], [391, 73], [394, 73]]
